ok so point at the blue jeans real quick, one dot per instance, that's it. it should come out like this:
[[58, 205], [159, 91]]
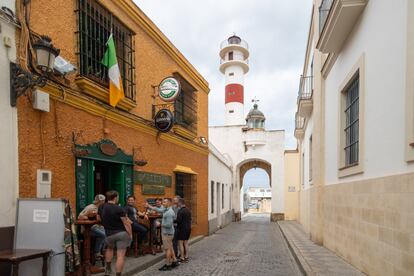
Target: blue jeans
[[140, 229], [98, 232]]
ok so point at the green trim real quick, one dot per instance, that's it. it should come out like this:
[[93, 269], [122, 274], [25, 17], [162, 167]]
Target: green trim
[[93, 151]]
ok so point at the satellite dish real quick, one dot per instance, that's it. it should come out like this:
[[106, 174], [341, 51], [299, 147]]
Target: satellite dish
[[63, 66]]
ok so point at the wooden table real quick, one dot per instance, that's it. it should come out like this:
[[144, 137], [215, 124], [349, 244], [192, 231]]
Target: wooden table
[[86, 267], [16, 256], [150, 249]]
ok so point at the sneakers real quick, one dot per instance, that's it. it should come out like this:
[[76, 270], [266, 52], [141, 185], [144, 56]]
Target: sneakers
[[165, 268], [175, 264]]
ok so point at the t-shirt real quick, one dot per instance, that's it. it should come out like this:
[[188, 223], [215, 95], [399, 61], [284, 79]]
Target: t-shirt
[[111, 218], [167, 224], [88, 209], [132, 213]]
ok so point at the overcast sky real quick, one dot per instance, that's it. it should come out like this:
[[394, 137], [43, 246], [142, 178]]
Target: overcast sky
[[276, 31]]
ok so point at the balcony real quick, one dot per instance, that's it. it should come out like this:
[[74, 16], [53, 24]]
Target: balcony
[[336, 20], [305, 100], [236, 59], [299, 127], [237, 44]]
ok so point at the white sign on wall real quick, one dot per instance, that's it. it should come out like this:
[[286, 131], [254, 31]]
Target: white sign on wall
[[41, 216]]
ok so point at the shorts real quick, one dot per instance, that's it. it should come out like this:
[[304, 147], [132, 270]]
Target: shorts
[[167, 241], [120, 240]]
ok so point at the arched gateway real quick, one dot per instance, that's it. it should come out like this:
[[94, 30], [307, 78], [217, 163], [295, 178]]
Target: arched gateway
[[251, 146]]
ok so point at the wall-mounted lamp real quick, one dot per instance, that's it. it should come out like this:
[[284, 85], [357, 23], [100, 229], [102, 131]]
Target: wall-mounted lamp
[[21, 80], [203, 140]]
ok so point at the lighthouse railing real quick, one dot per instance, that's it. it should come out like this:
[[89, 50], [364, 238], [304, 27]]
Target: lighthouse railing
[[236, 57], [226, 43]]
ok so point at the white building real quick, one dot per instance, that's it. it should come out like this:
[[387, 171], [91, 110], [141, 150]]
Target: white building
[[244, 140], [355, 126], [259, 198], [220, 190], [8, 118]]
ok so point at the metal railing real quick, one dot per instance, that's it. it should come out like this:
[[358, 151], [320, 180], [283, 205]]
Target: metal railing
[[305, 88], [235, 57], [324, 9], [226, 43], [299, 122]]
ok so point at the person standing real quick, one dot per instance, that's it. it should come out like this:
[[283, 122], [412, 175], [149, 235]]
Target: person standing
[[183, 229], [167, 232], [116, 224], [133, 215], [97, 230], [175, 208]]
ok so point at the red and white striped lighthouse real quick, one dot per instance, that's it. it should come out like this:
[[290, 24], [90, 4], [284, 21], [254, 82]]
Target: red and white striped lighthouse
[[234, 64]]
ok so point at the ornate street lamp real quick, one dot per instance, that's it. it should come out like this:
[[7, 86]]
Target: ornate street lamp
[[21, 80]]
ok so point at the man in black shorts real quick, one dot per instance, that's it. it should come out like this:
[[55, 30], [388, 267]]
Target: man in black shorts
[[113, 218]]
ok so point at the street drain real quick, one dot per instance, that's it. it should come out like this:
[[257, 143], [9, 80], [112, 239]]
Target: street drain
[[235, 254], [231, 260]]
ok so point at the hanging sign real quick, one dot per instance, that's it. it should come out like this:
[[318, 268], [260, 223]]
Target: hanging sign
[[164, 120], [169, 89]]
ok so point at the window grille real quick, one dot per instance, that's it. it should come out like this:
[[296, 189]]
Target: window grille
[[185, 106], [186, 187], [222, 196], [212, 197], [310, 159], [95, 24], [352, 123]]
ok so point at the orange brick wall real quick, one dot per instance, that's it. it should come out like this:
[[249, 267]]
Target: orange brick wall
[[53, 149]]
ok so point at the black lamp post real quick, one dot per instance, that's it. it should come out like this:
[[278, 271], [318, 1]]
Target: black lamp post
[[21, 80]]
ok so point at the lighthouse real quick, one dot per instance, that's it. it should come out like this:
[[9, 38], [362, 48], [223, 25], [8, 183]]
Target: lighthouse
[[234, 64]]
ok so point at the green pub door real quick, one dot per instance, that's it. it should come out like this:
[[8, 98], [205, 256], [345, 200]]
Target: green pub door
[[100, 168]]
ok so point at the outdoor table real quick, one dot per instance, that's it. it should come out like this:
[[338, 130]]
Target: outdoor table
[[150, 248], [86, 267], [16, 256]]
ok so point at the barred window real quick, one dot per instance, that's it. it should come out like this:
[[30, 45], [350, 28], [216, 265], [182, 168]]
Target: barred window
[[95, 24], [186, 187], [185, 106], [212, 197], [351, 130]]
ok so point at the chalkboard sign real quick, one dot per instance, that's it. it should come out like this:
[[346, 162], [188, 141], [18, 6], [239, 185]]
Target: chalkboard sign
[[129, 189], [152, 179], [82, 179], [153, 190]]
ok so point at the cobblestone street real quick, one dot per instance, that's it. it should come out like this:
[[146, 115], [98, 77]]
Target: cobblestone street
[[253, 247]]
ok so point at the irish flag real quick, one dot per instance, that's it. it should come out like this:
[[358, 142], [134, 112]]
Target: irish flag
[[116, 90]]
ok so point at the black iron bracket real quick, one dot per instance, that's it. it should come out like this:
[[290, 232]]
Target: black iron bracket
[[21, 81]]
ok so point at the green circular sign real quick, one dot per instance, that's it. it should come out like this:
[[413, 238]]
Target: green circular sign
[[169, 89]]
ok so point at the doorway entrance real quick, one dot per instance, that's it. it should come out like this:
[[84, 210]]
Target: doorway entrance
[[108, 176], [102, 167]]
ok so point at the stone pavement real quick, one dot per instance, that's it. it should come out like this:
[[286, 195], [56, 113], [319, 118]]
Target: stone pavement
[[254, 246], [314, 259]]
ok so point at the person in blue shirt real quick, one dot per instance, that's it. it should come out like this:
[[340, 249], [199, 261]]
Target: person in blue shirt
[[167, 232]]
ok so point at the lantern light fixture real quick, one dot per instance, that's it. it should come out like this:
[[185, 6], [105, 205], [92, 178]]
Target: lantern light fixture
[[21, 80]]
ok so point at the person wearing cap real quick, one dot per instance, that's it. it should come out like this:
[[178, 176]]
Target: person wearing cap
[[97, 230]]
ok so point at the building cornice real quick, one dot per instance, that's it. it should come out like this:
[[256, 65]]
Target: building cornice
[[82, 102], [152, 30]]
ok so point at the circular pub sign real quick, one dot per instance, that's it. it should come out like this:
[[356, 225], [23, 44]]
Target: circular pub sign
[[169, 89], [164, 120]]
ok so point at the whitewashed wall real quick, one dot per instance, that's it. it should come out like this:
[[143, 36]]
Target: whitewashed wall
[[8, 123], [230, 140], [219, 171], [381, 36]]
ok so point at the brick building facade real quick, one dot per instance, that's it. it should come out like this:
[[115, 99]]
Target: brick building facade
[[69, 140]]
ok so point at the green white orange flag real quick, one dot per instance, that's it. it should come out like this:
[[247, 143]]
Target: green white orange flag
[[116, 90]]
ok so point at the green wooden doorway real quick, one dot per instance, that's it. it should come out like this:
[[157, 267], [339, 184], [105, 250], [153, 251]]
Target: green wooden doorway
[[102, 167]]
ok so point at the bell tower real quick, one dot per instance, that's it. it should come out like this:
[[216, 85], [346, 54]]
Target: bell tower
[[234, 64]]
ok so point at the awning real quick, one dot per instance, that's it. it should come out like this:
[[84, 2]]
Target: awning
[[183, 169]]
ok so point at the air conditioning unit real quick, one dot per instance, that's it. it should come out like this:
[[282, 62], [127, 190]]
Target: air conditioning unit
[[44, 184], [41, 100]]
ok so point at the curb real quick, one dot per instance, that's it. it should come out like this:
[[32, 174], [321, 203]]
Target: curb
[[300, 260], [156, 259]]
